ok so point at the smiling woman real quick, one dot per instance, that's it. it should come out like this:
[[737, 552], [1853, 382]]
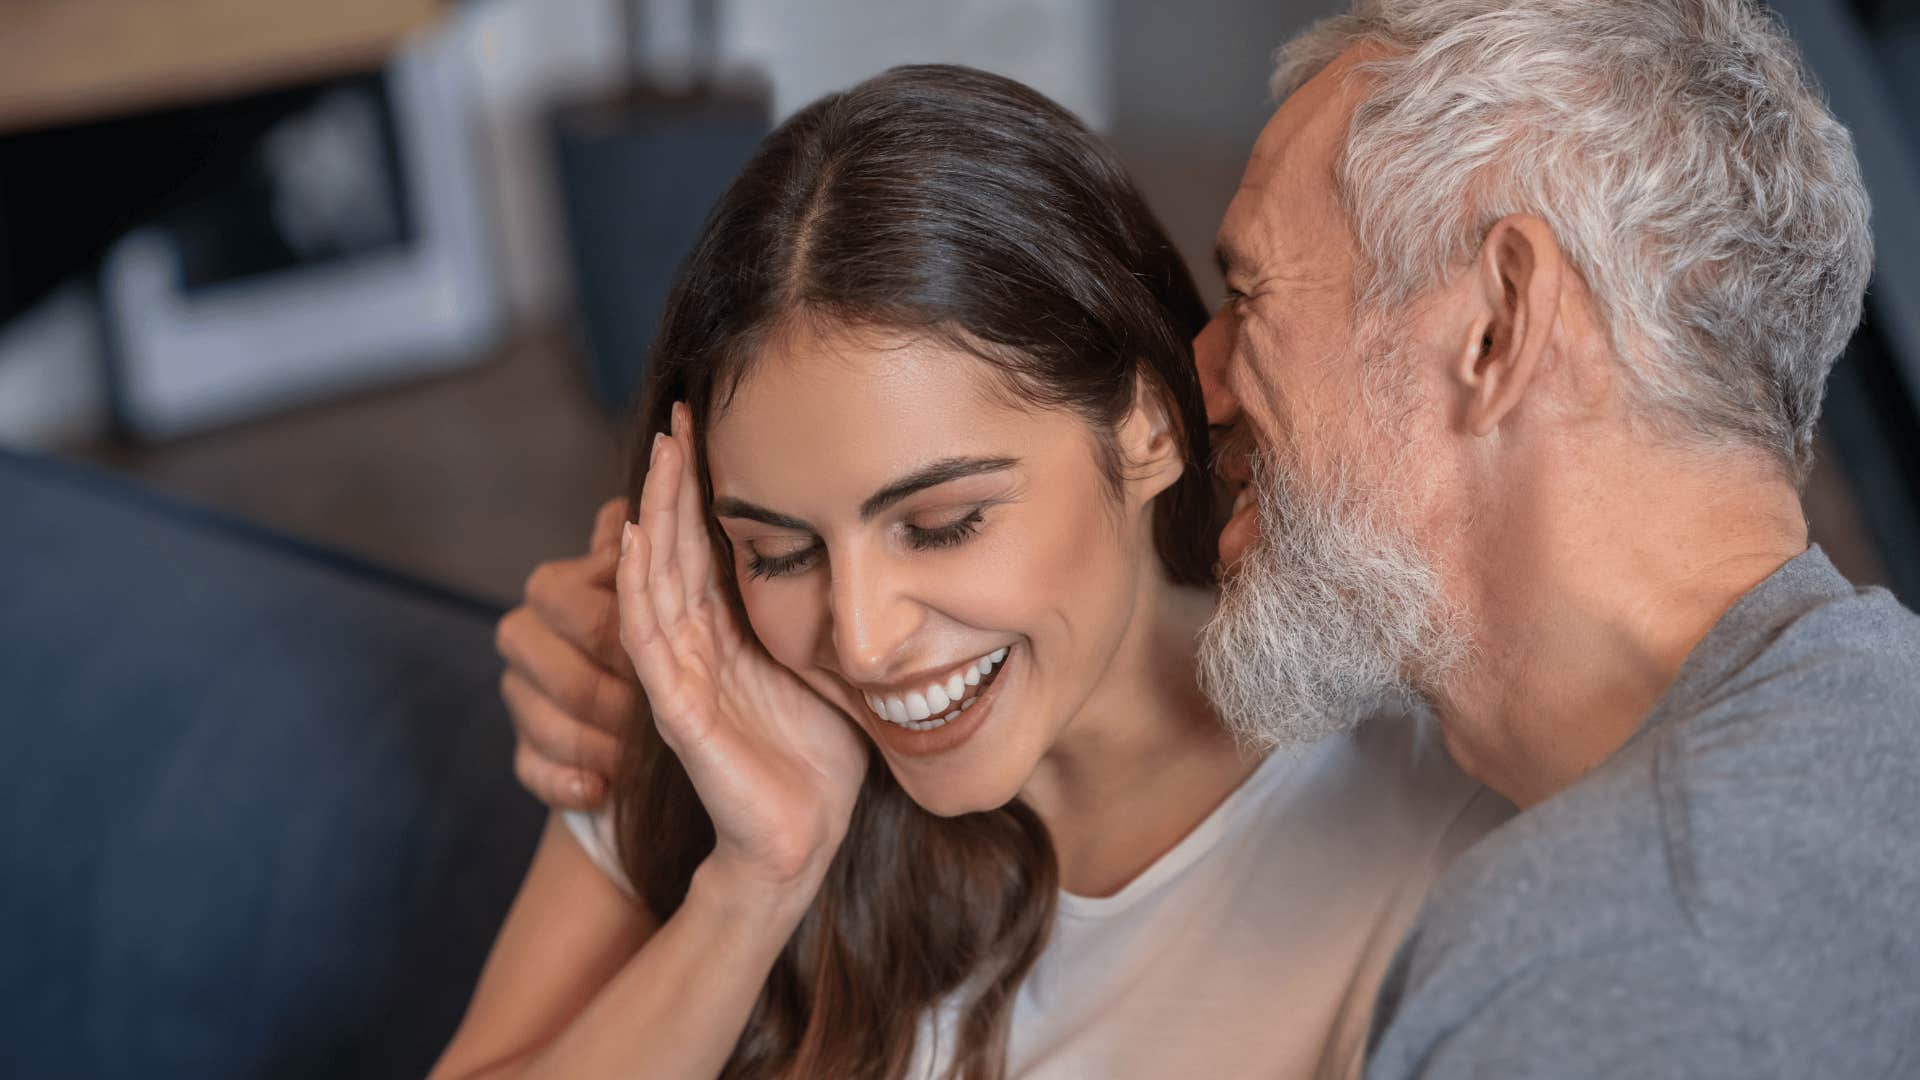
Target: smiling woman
[[924, 541]]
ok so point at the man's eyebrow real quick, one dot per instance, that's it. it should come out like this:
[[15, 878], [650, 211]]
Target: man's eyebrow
[[931, 476], [1228, 259], [729, 507]]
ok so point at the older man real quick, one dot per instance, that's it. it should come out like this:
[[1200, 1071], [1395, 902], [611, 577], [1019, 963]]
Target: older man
[[1532, 303], [1531, 307]]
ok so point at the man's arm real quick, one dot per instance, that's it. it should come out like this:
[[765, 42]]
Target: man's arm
[[568, 685]]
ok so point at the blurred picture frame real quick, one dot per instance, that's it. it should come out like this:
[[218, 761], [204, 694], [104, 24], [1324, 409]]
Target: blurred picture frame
[[207, 326]]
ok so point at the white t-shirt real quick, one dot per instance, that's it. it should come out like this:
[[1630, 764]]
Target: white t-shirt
[[1252, 948]]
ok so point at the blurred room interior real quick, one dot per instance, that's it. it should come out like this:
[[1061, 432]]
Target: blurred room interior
[[260, 157], [373, 277]]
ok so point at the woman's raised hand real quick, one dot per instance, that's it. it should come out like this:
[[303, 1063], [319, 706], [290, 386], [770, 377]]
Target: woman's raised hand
[[776, 765]]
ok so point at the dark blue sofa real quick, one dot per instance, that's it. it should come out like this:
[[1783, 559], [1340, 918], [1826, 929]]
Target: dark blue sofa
[[259, 816]]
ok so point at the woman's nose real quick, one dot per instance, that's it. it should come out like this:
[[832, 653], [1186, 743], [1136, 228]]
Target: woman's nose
[[872, 619]]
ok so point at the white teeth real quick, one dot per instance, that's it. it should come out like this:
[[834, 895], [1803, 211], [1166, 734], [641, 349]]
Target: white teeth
[[935, 706]]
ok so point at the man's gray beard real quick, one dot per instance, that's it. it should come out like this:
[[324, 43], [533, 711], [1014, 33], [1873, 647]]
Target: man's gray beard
[[1332, 613]]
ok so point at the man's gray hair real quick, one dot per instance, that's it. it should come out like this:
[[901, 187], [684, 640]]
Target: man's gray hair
[[1681, 153]]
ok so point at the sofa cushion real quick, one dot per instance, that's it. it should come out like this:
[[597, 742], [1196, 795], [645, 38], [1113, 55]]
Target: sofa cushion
[[260, 817]]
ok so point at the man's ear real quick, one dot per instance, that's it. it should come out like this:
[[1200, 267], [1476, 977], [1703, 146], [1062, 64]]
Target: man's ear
[[1517, 281], [1152, 451]]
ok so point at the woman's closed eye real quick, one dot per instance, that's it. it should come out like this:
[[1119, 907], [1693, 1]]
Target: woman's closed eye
[[956, 530], [790, 560]]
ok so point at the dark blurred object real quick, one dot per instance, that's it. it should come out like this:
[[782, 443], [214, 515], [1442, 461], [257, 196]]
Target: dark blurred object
[[639, 169], [67, 193], [638, 175], [259, 810], [1885, 15], [105, 114], [1867, 58]]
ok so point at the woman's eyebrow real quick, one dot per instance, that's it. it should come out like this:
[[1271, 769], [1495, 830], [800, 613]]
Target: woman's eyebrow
[[931, 476], [728, 507]]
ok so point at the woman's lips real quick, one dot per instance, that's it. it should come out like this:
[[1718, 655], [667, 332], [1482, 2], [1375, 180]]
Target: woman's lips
[[907, 742]]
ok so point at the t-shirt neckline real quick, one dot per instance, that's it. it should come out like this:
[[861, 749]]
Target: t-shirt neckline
[[1191, 847]]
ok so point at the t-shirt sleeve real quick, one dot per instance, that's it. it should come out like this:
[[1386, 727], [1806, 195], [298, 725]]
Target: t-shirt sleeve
[[595, 833], [1643, 1010]]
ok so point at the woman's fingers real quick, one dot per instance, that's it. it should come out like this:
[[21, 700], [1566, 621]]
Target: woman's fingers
[[695, 551], [645, 639], [659, 523]]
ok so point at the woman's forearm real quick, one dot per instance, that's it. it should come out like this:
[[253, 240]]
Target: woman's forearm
[[677, 1008]]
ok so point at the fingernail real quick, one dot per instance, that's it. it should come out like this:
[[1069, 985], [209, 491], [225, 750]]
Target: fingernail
[[654, 457], [626, 543], [577, 788]]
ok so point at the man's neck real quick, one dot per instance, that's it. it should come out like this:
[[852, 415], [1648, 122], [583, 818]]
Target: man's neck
[[1583, 627]]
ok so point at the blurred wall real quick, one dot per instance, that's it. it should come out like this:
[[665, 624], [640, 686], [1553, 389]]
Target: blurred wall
[[526, 54], [1189, 92]]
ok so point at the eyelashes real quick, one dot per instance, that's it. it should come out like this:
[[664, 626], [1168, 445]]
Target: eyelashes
[[948, 535], [952, 534], [772, 566]]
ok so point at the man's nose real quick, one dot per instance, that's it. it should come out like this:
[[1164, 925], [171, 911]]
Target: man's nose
[[1212, 349], [873, 619]]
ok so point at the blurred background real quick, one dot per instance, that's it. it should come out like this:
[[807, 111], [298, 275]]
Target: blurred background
[[378, 272], [315, 324]]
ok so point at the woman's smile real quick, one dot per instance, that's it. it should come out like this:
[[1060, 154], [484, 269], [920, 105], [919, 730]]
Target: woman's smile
[[939, 734], [929, 705]]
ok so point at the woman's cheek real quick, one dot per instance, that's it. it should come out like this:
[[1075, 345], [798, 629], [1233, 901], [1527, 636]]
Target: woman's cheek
[[781, 618]]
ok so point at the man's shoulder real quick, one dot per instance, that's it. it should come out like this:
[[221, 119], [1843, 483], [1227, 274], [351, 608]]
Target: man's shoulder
[[1786, 796], [1852, 656], [1799, 770], [1749, 854]]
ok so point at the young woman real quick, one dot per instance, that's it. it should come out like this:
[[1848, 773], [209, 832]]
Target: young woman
[[923, 542]]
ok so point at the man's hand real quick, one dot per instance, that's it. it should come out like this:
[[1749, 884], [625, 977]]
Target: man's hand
[[569, 685]]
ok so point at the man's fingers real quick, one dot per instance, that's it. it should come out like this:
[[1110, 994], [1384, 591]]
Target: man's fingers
[[606, 526], [563, 674], [575, 599], [556, 785], [555, 735]]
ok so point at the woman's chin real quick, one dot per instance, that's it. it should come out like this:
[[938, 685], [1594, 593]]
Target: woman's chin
[[952, 796]]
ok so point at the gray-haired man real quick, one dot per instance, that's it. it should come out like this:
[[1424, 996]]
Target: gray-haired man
[[1532, 306]]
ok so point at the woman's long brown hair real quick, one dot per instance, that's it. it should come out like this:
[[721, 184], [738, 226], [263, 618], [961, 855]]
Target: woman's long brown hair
[[960, 205]]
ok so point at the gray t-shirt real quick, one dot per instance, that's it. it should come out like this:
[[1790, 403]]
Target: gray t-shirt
[[1735, 892]]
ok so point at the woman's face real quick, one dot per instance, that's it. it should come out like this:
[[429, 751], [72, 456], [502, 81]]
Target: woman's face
[[953, 571]]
